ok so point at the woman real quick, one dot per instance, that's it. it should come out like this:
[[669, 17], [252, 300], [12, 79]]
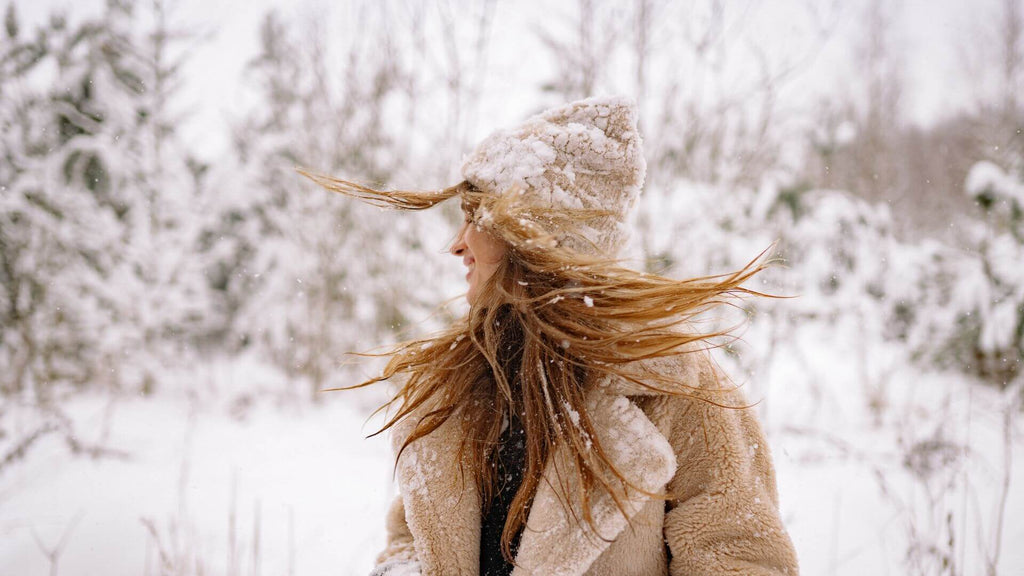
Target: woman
[[572, 423]]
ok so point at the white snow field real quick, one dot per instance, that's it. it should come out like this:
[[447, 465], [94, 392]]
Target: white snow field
[[224, 481], [283, 490]]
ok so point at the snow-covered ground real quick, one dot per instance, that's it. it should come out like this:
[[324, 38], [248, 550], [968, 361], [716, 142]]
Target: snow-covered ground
[[868, 489], [209, 484], [228, 480]]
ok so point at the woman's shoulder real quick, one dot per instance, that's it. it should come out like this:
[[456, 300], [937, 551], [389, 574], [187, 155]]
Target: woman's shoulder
[[681, 390], [689, 371]]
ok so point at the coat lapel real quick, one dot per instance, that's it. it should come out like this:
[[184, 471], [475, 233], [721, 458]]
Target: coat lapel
[[554, 543], [442, 508]]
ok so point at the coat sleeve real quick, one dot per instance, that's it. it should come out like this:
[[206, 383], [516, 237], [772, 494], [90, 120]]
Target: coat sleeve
[[399, 547], [723, 515]]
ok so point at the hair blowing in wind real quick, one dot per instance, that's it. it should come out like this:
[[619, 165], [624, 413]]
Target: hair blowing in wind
[[547, 322]]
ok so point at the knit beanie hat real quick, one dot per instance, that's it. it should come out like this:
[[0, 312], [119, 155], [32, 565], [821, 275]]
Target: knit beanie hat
[[582, 155]]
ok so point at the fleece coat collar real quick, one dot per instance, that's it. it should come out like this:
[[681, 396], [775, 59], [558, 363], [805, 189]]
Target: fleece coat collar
[[443, 509]]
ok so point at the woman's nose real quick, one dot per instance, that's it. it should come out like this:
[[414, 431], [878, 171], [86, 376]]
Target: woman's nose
[[459, 246]]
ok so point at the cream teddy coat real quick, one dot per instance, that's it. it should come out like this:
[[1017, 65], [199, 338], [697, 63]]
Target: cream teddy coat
[[722, 517]]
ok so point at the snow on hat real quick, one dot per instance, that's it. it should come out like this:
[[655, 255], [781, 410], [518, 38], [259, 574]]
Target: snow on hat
[[585, 154]]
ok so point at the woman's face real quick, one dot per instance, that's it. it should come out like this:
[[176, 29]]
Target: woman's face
[[481, 252]]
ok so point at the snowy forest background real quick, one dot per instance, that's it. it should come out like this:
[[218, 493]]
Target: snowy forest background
[[173, 295]]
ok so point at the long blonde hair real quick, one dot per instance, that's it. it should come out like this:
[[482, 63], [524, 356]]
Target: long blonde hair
[[546, 323]]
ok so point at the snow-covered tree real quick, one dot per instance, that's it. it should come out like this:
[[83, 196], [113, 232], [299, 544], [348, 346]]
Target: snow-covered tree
[[97, 206], [993, 309], [307, 275]]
